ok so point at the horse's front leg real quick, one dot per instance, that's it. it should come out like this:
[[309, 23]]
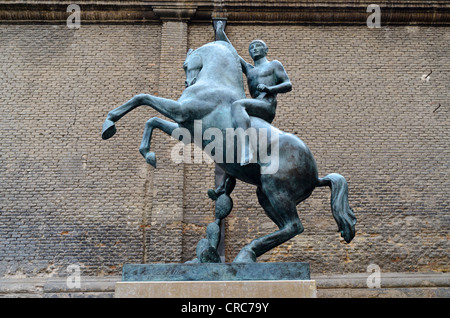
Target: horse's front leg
[[109, 128], [169, 108], [155, 122]]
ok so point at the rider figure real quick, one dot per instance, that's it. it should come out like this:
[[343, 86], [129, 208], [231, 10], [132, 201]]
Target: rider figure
[[265, 80]]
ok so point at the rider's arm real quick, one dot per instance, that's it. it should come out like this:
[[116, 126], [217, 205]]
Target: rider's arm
[[245, 66], [283, 83], [220, 32], [221, 36]]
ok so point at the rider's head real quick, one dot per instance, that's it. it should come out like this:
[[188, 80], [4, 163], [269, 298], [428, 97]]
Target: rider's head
[[257, 49]]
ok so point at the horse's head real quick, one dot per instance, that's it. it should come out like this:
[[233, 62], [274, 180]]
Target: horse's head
[[214, 66], [192, 66]]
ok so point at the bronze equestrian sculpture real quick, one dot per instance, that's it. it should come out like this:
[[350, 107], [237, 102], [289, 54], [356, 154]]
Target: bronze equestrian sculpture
[[213, 83]]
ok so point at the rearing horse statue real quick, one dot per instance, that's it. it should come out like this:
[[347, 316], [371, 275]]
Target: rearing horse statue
[[213, 82]]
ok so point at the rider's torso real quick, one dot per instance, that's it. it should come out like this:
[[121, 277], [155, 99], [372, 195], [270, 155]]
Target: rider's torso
[[261, 74]]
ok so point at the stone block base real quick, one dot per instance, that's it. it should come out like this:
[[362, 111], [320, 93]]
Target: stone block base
[[217, 289]]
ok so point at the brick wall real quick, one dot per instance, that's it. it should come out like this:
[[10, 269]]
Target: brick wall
[[165, 226], [359, 102], [67, 196]]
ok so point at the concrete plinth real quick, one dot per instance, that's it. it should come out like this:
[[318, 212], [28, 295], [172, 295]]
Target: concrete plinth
[[217, 289]]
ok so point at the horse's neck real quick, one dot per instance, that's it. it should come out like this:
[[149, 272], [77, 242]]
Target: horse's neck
[[221, 67]]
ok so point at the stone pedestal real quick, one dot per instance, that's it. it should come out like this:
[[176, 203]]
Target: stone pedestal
[[217, 289], [250, 280]]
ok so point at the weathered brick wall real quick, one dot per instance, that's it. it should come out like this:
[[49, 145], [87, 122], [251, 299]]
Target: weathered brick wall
[[164, 239], [67, 197]]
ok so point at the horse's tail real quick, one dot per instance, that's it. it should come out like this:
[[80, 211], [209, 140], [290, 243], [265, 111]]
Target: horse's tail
[[342, 213]]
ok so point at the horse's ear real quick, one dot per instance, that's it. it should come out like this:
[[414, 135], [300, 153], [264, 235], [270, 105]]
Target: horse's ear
[[189, 52]]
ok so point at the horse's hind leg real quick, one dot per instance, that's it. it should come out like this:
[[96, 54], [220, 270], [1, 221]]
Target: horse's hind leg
[[155, 122], [281, 210]]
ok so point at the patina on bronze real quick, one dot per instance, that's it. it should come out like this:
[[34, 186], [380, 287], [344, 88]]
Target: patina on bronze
[[216, 272], [214, 82]]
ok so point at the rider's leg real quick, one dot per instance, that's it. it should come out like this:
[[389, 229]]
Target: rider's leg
[[262, 109], [241, 119], [241, 110]]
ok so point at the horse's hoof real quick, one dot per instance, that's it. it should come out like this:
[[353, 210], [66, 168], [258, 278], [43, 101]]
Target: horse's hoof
[[151, 159], [193, 261], [246, 255], [109, 129], [206, 253]]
